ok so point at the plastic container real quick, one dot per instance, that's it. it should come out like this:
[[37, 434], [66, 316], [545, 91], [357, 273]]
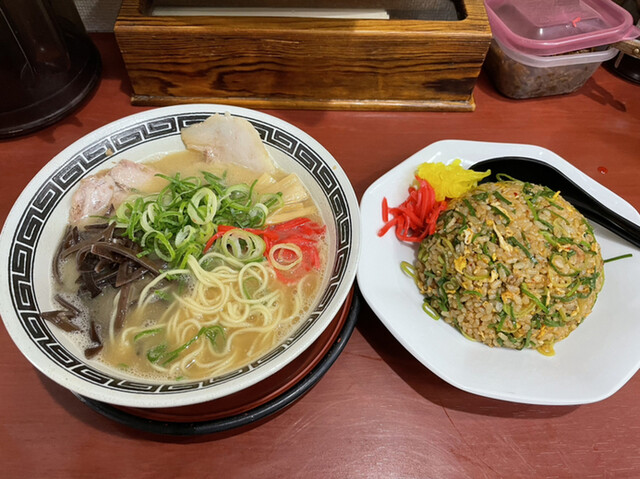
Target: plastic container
[[552, 27], [519, 75]]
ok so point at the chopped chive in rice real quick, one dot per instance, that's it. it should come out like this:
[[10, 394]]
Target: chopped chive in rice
[[511, 264]]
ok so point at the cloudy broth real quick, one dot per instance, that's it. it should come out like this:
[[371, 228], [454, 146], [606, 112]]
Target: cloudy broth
[[206, 319]]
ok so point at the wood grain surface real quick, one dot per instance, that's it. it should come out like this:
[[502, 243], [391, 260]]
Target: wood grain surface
[[377, 413], [304, 62]]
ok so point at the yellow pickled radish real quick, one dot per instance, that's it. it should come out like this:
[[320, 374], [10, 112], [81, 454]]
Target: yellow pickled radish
[[450, 181]]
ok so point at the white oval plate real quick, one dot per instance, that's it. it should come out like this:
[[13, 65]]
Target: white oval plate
[[36, 222], [591, 364]]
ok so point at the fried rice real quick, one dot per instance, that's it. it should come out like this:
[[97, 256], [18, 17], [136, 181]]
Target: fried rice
[[512, 264]]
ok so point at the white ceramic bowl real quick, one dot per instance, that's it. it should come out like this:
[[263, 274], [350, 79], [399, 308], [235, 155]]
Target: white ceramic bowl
[[38, 218], [596, 360]]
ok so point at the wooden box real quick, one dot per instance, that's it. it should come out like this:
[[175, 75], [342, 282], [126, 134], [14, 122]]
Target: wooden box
[[305, 63]]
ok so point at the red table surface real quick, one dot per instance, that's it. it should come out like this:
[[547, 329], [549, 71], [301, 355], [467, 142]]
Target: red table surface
[[377, 412]]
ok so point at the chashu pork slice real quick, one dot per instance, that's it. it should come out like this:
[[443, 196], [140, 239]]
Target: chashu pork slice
[[93, 196], [135, 176], [229, 139], [96, 194], [131, 177]]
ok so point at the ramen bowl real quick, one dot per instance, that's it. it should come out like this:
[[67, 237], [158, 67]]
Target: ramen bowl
[[38, 219]]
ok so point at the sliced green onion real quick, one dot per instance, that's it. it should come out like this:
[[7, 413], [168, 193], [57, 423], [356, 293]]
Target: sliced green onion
[[504, 268], [272, 201], [616, 258], [162, 248], [155, 353], [472, 210], [552, 323], [185, 235], [173, 355], [203, 206], [427, 309], [408, 269], [498, 326], [552, 240], [211, 332], [146, 333], [242, 245], [514, 242], [499, 212], [472, 292], [178, 221], [475, 278], [498, 195], [505, 177], [163, 295], [525, 290], [556, 268]]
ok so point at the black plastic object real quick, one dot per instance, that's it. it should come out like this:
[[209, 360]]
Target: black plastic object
[[261, 412], [538, 172], [48, 64], [625, 66]]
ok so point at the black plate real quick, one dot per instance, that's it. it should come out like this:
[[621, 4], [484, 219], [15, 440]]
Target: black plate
[[232, 422]]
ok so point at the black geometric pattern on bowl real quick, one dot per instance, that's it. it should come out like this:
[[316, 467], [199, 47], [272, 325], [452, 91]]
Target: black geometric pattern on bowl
[[33, 220]]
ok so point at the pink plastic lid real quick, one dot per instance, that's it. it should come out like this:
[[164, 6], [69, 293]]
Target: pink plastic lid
[[551, 27]]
